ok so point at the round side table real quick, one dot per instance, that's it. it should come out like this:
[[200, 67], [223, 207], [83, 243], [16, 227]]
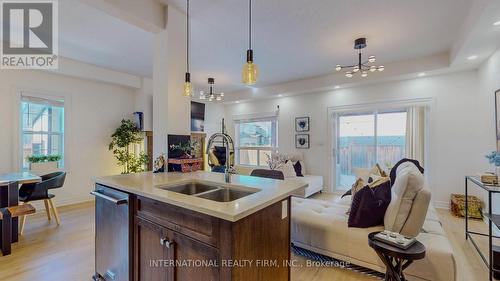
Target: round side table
[[396, 259]]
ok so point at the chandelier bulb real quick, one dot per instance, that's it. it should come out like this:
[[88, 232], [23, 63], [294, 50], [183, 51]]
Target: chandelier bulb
[[381, 68], [371, 59], [338, 67]]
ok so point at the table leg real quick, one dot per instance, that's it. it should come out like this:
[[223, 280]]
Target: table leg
[[466, 210], [13, 198], [6, 232], [392, 273], [490, 238]]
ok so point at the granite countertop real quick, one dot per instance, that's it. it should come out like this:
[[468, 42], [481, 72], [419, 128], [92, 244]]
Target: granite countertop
[[150, 185]]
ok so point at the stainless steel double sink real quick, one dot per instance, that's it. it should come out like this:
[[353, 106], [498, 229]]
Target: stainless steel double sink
[[212, 192]]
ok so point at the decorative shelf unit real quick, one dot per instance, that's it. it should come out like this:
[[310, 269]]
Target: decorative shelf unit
[[492, 219]]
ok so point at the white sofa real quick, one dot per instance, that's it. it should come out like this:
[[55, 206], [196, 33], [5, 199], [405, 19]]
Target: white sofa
[[321, 226], [314, 183]]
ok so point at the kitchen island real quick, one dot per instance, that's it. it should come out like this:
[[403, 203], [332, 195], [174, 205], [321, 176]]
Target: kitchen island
[[193, 226]]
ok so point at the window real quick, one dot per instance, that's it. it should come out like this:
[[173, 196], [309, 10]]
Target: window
[[255, 139], [364, 139], [42, 128]]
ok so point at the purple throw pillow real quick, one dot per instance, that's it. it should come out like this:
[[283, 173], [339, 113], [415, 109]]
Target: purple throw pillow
[[369, 206]]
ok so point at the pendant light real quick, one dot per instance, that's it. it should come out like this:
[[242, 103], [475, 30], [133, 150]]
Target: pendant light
[[188, 87], [250, 72]]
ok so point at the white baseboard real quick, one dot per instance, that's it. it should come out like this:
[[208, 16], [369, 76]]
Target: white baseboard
[[441, 205]]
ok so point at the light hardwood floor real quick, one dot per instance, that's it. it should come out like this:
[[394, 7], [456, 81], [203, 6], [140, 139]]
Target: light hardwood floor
[[66, 252]]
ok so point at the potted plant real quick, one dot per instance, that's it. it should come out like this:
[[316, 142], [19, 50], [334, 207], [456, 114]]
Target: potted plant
[[186, 148], [44, 163], [122, 139], [494, 158]]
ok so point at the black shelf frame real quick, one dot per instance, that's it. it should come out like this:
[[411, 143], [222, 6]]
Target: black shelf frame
[[492, 219]]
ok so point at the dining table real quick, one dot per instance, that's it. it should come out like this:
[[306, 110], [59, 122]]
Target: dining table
[[9, 194]]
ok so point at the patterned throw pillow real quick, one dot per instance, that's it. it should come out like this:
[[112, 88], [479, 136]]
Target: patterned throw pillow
[[288, 170], [374, 177]]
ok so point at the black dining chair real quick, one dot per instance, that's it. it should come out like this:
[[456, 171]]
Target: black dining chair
[[40, 191], [270, 174]]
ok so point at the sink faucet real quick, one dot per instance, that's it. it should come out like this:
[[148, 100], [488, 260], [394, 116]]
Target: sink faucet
[[229, 148]]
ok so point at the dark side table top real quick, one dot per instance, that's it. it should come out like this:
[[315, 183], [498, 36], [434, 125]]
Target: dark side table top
[[415, 252]]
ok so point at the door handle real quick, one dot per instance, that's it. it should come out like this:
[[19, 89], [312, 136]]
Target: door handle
[[166, 243], [117, 201]]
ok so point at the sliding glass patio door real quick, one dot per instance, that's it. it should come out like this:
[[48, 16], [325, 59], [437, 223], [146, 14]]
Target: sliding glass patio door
[[366, 138]]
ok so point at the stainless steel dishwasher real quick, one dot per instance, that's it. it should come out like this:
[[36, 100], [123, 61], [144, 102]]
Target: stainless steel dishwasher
[[113, 241]]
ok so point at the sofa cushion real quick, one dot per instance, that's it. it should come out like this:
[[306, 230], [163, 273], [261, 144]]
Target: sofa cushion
[[392, 173], [298, 169], [288, 170], [369, 205], [409, 181]]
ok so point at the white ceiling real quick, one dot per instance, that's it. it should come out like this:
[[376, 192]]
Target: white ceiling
[[292, 39], [296, 39], [90, 35]]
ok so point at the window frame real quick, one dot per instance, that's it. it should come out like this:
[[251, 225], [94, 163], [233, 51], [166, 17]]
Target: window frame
[[375, 113], [50, 102], [273, 148]]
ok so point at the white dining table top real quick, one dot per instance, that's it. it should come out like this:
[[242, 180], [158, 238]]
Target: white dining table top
[[20, 177]]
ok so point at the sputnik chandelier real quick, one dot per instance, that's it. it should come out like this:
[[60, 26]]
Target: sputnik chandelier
[[362, 67], [211, 95]]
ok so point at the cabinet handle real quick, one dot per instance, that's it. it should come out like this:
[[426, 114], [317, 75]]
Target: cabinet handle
[[165, 242]]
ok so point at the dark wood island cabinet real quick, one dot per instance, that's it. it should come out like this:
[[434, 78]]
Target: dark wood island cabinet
[[173, 243], [193, 226]]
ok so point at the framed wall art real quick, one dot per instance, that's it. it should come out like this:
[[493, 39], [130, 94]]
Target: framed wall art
[[302, 124], [302, 141]]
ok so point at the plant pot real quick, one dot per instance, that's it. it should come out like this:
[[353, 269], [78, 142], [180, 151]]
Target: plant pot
[[44, 167], [185, 156]]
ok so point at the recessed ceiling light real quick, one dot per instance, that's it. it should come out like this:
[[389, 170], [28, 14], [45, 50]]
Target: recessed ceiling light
[[237, 101], [473, 57], [421, 74], [337, 87], [280, 95], [497, 23]]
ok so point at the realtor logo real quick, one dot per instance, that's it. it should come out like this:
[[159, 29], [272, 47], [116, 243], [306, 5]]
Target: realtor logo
[[29, 34]]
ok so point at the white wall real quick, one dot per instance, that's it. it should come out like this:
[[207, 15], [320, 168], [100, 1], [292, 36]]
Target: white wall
[[144, 102], [214, 113], [458, 138], [489, 82], [93, 111], [171, 110]]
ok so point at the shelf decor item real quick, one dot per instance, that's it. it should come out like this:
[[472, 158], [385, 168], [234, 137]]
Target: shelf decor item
[[302, 124], [302, 141], [494, 159]]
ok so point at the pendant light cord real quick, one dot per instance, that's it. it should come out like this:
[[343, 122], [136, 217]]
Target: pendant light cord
[[249, 24], [187, 37]]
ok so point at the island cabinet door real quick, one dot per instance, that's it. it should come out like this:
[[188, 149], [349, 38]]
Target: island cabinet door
[[154, 257], [194, 260]]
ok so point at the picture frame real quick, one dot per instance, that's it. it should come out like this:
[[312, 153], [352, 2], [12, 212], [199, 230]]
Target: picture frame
[[302, 124], [302, 141], [497, 118]]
